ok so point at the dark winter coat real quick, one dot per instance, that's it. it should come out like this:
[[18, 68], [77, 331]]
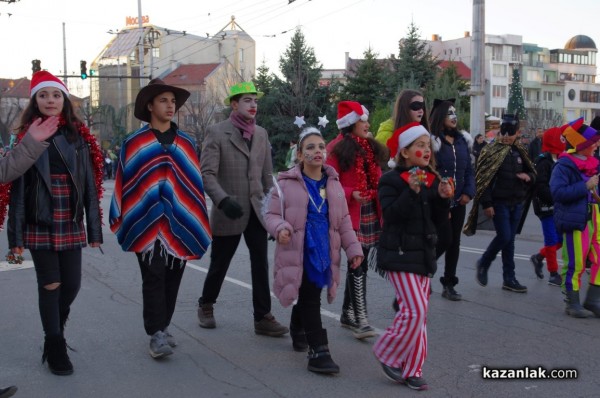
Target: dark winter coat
[[570, 195], [454, 160], [31, 197], [407, 242], [543, 204]]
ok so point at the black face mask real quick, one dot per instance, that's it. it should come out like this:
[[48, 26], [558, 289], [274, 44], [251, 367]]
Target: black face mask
[[416, 105]]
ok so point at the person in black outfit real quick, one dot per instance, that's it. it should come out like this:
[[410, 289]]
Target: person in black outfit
[[453, 160], [504, 176]]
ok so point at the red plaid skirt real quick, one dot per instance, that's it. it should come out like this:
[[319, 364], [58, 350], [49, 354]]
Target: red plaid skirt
[[64, 234], [369, 229]]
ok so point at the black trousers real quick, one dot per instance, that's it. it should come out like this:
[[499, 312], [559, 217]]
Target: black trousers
[[449, 234], [161, 277], [222, 251], [63, 267], [306, 314]]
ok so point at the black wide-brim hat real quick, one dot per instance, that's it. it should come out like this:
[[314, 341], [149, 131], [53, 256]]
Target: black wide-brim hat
[[154, 88]]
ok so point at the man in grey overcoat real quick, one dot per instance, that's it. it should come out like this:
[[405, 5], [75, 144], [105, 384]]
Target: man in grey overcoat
[[237, 172]]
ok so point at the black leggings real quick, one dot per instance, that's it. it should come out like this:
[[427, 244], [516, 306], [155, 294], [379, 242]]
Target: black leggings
[[62, 267]]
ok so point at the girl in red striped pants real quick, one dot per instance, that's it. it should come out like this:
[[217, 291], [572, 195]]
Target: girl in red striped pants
[[413, 199]]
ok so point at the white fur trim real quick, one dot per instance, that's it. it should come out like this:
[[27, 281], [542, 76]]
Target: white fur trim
[[409, 136], [468, 138], [49, 83], [436, 143], [391, 163], [350, 118]]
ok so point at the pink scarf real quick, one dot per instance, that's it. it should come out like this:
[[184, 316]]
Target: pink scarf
[[587, 167], [246, 126]]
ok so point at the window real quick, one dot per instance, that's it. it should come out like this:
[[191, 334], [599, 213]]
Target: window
[[548, 95], [499, 91], [155, 52], [537, 95], [583, 113], [498, 112], [533, 75], [190, 120], [589, 96], [527, 95], [500, 70]]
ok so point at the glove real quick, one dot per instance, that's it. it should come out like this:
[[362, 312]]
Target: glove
[[231, 208]]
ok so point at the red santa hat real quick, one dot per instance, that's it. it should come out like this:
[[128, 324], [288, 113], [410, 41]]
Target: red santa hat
[[403, 137], [350, 112], [43, 79]]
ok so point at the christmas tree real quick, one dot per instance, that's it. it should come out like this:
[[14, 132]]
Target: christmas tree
[[516, 105]]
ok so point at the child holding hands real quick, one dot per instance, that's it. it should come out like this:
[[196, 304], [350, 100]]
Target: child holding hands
[[308, 215], [414, 199]]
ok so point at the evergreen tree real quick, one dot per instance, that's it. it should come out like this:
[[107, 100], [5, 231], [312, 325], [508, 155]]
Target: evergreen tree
[[415, 60], [297, 93], [366, 82], [516, 104]]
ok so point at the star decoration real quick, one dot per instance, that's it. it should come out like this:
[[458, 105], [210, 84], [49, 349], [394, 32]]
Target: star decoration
[[323, 121], [299, 121]]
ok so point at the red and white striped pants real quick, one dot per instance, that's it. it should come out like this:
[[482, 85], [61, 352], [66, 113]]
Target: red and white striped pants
[[404, 343]]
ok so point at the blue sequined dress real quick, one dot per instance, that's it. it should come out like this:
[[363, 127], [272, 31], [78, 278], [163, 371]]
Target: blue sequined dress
[[317, 260]]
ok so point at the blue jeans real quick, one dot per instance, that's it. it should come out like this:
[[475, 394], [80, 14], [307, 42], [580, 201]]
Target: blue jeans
[[506, 221]]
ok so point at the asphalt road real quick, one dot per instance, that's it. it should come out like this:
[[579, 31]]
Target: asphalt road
[[488, 328]]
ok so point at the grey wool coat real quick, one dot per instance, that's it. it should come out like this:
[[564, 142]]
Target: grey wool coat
[[230, 169], [20, 158]]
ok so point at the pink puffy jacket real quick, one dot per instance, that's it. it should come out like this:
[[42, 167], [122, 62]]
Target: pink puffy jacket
[[294, 207]]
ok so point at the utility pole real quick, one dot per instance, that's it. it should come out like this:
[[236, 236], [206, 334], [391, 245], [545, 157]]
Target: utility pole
[[64, 55], [478, 69], [141, 44]]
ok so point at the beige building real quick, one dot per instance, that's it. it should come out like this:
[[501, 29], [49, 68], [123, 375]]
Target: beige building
[[117, 67]]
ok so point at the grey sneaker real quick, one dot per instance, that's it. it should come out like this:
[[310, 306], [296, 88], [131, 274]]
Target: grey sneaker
[[158, 345], [363, 331], [268, 326], [171, 340], [206, 317], [393, 374]]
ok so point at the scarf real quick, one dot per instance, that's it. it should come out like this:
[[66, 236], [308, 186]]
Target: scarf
[[95, 156], [588, 167], [247, 127], [366, 169]]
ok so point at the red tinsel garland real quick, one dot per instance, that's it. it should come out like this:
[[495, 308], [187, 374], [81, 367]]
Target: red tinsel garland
[[366, 169], [96, 158]]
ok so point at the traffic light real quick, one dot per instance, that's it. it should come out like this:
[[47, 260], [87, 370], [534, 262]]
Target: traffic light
[[83, 66], [36, 65], [92, 72]]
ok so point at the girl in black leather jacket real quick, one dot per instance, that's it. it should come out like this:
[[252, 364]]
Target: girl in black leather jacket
[[47, 206]]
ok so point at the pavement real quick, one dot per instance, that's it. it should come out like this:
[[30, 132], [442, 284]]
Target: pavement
[[489, 328]]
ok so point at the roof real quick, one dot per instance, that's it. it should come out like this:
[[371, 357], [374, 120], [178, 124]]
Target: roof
[[463, 70], [16, 88], [580, 42], [190, 74]]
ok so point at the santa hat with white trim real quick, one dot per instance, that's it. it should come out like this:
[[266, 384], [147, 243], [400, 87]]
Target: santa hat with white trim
[[350, 112], [43, 79], [403, 137]]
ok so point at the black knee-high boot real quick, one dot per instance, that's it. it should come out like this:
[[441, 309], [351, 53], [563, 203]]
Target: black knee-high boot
[[347, 319], [55, 352], [358, 294], [319, 358]]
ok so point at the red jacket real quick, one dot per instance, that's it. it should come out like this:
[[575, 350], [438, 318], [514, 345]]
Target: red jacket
[[349, 181]]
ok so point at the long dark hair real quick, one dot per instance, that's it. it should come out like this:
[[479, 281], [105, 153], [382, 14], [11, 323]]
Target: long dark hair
[[438, 116], [32, 112], [401, 115], [347, 149]]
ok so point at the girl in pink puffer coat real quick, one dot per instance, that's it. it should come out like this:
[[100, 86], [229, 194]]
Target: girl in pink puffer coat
[[308, 215]]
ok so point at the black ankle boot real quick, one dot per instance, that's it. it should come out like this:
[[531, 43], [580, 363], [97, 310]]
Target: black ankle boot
[[449, 292], [55, 352], [319, 358]]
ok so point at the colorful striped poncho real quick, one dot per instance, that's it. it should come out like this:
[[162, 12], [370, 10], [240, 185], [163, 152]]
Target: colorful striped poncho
[[159, 194]]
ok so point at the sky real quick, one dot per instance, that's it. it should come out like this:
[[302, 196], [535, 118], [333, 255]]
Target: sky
[[33, 29]]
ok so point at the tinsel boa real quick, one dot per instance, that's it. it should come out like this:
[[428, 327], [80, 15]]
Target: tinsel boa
[[95, 155]]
